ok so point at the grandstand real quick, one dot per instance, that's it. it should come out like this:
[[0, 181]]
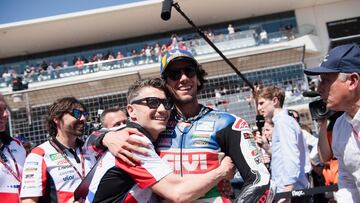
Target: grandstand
[[103, 83]]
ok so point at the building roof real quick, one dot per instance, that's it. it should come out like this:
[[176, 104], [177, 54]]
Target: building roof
[[129, 21]]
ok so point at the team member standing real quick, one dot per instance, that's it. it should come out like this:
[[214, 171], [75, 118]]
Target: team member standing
[[195, 134], [289, 157], [62, 162], [340, 89], [12, 157]]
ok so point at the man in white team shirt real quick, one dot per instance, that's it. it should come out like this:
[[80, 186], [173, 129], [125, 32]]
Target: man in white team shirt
[[62, 161], [12, 157]]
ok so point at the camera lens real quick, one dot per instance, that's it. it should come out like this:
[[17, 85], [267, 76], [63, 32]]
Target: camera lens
[[322, 110]]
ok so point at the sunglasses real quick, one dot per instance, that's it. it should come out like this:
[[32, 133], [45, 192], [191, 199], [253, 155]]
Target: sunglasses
[[175, 74], [76, 113], [154, 102]]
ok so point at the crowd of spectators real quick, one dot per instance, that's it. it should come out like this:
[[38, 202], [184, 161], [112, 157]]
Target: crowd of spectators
[[116, 58]]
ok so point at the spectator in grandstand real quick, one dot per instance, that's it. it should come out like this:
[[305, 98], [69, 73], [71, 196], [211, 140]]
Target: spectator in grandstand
[[263, 37], [79, 64], [148, 54], [51, 71], [115, 181], [174, 41], [206, 131], [289, 156], [142, 56], [340, 88], [157, 53], [7, 77], [231, 29], [120, 58], [12, 157], [61, 161], [135, 57], [288, 29], [65, 63], [113, 117], [58, 70], [209, 34], [27, 76]]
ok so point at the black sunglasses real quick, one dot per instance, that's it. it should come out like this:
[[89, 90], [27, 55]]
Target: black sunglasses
[[154, 102], [175, 74], [77, 113]]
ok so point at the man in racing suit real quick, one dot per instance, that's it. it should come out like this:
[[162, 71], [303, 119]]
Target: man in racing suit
[[195, 134]]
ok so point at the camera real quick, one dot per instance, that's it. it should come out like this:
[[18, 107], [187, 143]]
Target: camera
[[318, 110]]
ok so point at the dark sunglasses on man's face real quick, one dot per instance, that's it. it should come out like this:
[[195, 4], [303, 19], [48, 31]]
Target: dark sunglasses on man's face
[[154, 102], [77, 113], [175, 74]]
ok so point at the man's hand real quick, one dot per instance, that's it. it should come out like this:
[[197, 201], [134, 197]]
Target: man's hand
[[120, 144], [227, 167]]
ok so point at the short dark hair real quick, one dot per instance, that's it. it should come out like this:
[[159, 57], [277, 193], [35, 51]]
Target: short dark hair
[[110, 110], [58, 109], [133, 91]]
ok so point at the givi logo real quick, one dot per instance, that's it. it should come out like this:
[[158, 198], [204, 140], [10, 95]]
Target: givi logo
[[191, 162]]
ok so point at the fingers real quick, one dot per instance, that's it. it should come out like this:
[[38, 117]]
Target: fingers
[[126, 160], [137, 142], [134, 131]]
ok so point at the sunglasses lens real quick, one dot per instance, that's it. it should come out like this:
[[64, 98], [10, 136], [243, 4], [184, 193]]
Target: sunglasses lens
[[78, 113], [176, 74], [153, 103], [189, 72], [168, 104]]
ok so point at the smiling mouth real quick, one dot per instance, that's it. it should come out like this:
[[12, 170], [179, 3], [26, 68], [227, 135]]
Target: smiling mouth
[[185, 88], [160, 118]]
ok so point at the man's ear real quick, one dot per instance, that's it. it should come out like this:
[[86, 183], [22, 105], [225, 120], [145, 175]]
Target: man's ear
[[56, 121], [275, 101], [131, 111], [354, 81]]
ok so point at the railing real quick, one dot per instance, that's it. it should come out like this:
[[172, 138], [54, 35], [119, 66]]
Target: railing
[[224, 42]]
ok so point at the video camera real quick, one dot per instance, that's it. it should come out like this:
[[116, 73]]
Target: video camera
[[318, 108]]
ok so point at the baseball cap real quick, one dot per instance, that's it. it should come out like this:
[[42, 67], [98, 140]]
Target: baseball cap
[[176, 55], [341, 59]]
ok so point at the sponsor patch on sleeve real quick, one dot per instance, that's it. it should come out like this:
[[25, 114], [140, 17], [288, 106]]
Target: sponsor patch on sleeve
[[240, 124]]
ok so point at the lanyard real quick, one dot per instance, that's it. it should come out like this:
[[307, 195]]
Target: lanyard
[[15, 174], [57, 148]]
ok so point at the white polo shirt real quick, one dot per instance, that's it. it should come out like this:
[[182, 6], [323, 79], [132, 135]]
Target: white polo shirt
[[346, 148]]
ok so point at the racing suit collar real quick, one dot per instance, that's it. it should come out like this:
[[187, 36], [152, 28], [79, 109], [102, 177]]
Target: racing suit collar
[[141, 129], [203, 110]]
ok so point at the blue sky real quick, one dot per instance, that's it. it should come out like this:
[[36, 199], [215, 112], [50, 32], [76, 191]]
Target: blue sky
[[19, 10]]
